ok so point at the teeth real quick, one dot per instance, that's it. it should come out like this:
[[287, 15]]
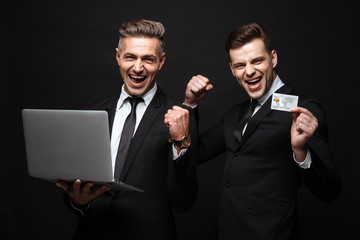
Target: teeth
[[137, 77], [255, 80]]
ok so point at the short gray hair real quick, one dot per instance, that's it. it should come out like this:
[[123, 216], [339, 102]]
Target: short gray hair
[[143, 28]]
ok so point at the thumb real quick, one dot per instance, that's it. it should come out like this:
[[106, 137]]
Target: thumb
[[209, 87]]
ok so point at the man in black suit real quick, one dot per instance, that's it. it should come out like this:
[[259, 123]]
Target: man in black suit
[[268, 155], [159, 159]]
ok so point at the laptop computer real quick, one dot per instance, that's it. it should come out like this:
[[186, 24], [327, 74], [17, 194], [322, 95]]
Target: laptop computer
[[70, 144]]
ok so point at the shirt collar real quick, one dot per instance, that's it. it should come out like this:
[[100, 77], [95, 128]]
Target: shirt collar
[[274, 87], [148, 96]]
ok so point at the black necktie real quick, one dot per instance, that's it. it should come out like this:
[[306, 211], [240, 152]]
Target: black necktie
[[126, 136], [240, 127]]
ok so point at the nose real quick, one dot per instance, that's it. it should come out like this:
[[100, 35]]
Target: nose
[[249, 70], [138, 66]]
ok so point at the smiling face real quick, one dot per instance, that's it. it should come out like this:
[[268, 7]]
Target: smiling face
[[139, 60], [253, 67]]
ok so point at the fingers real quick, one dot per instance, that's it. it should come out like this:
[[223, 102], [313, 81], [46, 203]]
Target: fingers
[[82, 193], [176, 111], [76, 186], [209, 87], [302, 110], [87, 188], [304, 121], [91, 190], [175, 114], [100, 189], [199, 83], [69, 188], [196, 89], [177, 120], [65, 186]]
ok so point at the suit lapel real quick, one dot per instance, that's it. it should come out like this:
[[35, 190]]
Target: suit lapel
[[110, 108], [146, 122], [234, 121], [255, 120]]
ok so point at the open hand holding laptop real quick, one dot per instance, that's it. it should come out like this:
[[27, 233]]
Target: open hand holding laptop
[[82, 195]]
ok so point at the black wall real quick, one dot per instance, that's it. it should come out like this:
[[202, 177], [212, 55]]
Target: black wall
[[61, 54]]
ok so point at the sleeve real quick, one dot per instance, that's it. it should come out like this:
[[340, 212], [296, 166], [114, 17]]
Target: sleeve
[[96, 208], [175, 154], [182, 182], [211, 142], [322, 178], [306, 163], [78, 210]]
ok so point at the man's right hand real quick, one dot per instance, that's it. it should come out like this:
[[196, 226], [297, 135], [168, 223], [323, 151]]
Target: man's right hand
[[196, 89], [82, 195]]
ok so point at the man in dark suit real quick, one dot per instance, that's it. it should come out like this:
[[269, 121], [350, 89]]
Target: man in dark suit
[[268, 155], [159, 159]]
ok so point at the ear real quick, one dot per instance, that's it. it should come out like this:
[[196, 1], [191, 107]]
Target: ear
[[162, 60], [232, 69], [117, 56], [274, 58]]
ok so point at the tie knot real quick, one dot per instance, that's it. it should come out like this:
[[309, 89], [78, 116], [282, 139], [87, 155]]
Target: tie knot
[[254, 102], [134, 101]]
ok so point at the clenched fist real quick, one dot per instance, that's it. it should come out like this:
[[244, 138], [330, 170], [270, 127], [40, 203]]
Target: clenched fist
[[196, 89], [177, 120]]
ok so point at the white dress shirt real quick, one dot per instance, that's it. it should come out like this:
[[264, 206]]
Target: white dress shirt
[[123, 109]]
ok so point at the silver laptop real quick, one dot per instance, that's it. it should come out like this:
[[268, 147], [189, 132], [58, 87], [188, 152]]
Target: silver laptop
[[68, 145]]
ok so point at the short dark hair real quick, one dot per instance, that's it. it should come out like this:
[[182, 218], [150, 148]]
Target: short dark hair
[[246, 33], [143, 28]]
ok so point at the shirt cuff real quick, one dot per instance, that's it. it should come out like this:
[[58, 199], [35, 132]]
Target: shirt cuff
[[81, 209], [175, 154], [190, 107], [306, 163]]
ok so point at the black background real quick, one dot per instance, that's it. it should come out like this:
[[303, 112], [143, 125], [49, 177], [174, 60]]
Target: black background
[[61, 54]]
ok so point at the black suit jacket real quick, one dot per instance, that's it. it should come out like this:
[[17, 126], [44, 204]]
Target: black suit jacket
[[258, 195], [169, 185]]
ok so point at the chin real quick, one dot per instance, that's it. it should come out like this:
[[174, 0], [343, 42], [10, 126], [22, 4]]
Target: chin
[[137, 92], [133, 91], [255, 95]]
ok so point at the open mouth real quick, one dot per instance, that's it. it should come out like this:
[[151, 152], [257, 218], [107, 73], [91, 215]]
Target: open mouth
[[137, 79], [254, 83]]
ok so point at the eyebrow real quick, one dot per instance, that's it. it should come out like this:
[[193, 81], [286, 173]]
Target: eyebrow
[[145, 56], [150, 56], [259, 58]]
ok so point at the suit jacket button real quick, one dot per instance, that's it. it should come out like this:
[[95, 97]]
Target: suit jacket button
[[227, 185]]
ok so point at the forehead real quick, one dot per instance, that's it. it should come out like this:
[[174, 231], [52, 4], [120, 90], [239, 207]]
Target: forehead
[[253, 49], [140, 45]]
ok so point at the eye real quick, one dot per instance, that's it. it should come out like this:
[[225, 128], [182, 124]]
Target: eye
[[149, 60], [239, 65], [257, 60], [129, 57]]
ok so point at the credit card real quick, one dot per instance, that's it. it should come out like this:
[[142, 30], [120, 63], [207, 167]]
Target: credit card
[[284, 102]]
